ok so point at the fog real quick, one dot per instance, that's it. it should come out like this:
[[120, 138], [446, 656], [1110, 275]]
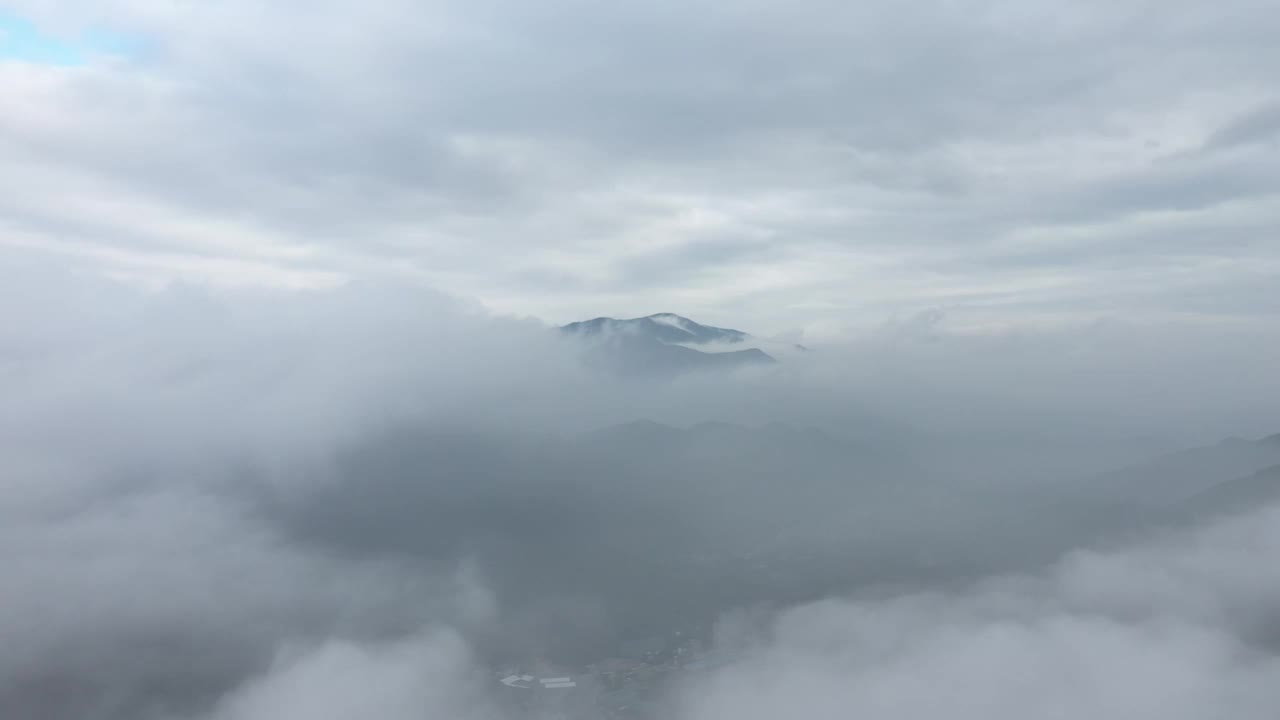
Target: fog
[[232, 504]]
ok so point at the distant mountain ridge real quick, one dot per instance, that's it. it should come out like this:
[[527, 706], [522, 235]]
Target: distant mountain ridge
[[1177, 477], [659, 345], [1239, 495]]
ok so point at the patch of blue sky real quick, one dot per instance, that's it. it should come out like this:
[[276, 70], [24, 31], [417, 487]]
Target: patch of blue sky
[[23, 40]]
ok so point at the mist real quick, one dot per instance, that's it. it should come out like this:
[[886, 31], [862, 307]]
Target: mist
[[242, 504]]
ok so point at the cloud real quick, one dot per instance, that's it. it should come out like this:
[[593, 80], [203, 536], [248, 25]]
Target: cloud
[[216, 496], [427, 675], [564, 160], [145, 437], [106, 594], [1182, 627]]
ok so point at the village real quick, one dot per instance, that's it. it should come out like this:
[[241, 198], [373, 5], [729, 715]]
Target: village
[[628, 686]]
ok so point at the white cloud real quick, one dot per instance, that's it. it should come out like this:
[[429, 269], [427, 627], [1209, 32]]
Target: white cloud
[[1177, 628], [425, 676]]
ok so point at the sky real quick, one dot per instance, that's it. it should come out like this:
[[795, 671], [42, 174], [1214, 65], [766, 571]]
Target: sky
[[812, 168], [23, 41]]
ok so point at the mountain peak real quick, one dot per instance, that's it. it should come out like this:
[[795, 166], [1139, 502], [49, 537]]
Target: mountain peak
[[664, 343], [665, 327]]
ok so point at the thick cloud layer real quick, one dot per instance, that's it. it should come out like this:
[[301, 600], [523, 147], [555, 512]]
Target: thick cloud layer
[[1184, 627], [214, 502], [424, 676]]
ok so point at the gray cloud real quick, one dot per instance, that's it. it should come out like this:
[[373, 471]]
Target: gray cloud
[[1256, 126], [536, 158]]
